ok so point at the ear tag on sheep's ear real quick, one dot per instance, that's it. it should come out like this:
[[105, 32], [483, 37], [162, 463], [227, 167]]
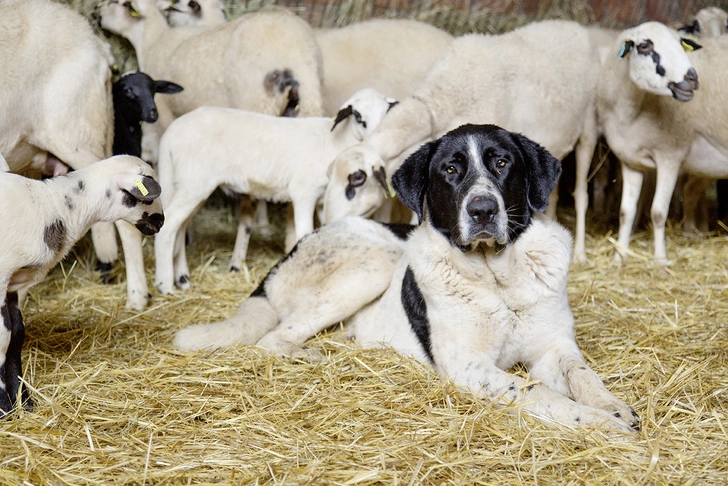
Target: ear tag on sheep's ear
[[134, 10], [141, 187], [689, 45], [626, 47]]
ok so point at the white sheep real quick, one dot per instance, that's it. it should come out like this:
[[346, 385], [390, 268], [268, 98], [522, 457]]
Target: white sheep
[[539, 80], [56, 105], [654, 117], [389, 55], [265, 157], [42, 220]]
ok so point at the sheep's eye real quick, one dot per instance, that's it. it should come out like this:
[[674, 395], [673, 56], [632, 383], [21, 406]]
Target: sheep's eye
[[129, 93], [357, 178], [500, 164], [645, 47]]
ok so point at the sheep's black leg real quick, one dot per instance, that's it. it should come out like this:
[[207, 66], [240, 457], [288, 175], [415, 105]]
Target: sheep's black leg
[[105, 271], [6, 329], [12, 369]]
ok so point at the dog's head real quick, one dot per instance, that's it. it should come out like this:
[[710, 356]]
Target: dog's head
[[478, 184]]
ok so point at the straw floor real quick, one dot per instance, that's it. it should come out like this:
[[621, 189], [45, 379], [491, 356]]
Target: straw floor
[[114, 403]]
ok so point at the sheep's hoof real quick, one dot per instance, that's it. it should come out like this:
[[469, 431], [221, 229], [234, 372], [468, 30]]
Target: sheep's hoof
[[105, 269], [183, 282]]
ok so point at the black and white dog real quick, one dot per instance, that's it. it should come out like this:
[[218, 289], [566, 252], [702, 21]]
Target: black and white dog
[[477, 287]]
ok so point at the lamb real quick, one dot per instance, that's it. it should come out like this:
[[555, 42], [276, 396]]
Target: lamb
[[44, 219], [483, 79], [265, 157], [133, 96], [649, 130], [55, 91]]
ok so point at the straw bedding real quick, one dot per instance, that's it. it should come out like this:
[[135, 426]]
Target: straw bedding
[[115, 404]]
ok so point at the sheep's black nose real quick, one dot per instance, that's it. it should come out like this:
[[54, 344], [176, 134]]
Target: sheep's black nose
[[482, 209]]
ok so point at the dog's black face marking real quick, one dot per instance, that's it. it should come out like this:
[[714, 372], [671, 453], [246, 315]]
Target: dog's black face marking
[[54, 235], [415, 307], [478, 183]]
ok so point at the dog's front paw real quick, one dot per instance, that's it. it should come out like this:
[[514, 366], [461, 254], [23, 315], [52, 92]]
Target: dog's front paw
[[287, 349]]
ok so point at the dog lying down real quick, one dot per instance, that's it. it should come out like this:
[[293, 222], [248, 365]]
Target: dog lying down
[[477, 287]]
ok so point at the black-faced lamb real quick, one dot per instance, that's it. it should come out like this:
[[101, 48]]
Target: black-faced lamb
[[133, 95], [483, 79], [654, 117], [42, 220], [265, 157]]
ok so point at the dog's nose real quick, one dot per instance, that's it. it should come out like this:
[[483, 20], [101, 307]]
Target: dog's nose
[[482, 209]]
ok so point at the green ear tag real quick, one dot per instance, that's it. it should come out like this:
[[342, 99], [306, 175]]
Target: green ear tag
[[141, 187]]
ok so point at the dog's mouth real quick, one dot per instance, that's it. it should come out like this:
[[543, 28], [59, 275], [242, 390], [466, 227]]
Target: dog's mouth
[[487, 238]]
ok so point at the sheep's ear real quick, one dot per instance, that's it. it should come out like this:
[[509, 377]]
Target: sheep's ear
[[627, 46], [392, 103], [689, 45], [690, 29], [342, 115], [167, 87], [142, 188], [544, 171], [410, 180]]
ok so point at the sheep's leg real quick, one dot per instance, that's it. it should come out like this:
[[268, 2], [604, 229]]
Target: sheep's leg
[[181, 268], [664, 187], [584, 153], [694, 212], [12, 335], [261, 213], [290, 229], [103, 236], [631, 187], [243, 237], [303, 210], [137, 290], [175, 217]]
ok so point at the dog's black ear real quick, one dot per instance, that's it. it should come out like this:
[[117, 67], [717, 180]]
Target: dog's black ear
[[544, 171], [410, 180]]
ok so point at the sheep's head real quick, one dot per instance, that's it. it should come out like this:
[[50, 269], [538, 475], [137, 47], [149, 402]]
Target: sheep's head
[[136, 92], [708, 22], [122, 16], [358, 184], [132, 193], [363, 112], [192, 12], [658, 60]]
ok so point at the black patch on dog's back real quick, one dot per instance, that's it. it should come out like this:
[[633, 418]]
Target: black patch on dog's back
[[400, 230], [413, 303]]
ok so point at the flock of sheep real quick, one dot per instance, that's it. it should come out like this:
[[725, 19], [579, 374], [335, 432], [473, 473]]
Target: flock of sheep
[[247, 106]]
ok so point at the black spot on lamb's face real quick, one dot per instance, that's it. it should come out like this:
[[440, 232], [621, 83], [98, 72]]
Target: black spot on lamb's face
[[54, 235], [68, 201], [357, 179], [478, 183]]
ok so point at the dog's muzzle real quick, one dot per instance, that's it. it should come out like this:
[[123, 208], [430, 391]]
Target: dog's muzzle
[[482, 221]]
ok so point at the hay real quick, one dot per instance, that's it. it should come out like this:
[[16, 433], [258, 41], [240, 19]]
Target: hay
[[115, 404]]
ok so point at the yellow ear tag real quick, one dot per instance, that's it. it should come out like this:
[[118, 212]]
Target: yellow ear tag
[[686, 46], [390, 188], [134, 11], [141, 187]]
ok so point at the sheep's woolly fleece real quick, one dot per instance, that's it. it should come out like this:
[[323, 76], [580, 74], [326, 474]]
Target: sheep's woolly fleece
[[116, 404]]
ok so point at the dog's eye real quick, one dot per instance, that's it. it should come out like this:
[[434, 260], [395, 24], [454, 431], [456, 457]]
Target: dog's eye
[[451, 169], [500, 164]]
